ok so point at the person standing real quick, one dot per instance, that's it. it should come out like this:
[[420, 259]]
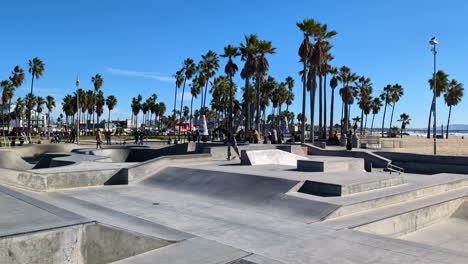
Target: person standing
[[98, 139], [274, 136], [349, 140]]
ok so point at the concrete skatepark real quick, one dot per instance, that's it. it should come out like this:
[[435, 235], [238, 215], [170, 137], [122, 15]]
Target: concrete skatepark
[[185, 203]]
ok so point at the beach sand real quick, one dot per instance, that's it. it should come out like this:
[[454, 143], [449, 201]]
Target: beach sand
[[423, 145]]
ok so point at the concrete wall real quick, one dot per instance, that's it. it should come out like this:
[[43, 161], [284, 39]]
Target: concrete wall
[[371, 160], [80, 244], [427, 164], [402, 224], [36, 150], [220, 152]]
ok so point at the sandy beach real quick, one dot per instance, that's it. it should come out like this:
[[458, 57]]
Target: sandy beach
[[423, 145]]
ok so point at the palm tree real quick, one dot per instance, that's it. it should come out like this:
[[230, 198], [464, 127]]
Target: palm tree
[[97, 81], [189, 70], [100, 102], [161, 111], [19, 110], [452, 97], [36, 68], [136, 107], [442, 83], [364, 86], [375, 105], [83, 101], [50, 104], [111, 102], [179, 78], [17, 79], [7, 94], [347, 95], [386, 97], [405, 120], [209, 67], [307, 26], [320, 56], [248, 51], [333, 85], [290, 83], [263, 47], [90, 105], [397, 93], [230, 69], [39, 108]]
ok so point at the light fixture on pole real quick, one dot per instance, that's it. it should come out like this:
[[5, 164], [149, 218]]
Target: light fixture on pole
[[434, 43], [77, 111]]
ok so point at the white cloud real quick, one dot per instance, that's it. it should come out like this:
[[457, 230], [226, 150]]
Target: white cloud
[[149, 75]]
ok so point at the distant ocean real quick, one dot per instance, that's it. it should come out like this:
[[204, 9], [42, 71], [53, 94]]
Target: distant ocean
[[457, 134]]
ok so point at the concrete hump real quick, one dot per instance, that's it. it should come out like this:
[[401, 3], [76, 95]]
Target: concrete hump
[[11, 160], [269, 157], [263, 193]]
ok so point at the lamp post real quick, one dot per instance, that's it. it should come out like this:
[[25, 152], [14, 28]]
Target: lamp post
[[434, 43], [77, 111]]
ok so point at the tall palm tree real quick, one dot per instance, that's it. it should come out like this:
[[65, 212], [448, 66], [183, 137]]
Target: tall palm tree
[[17, 79], [100, 102], [230, 69], [209, 67], [405, 120], [397, 93], [39, 108], [36, 68], [111, 102], [452, 97], [248, 51], [376, 105], [50, 104], [161, 111], [386, 97], [97, 81], [263, 47], [333, 85], [308, 28], [321, 50], [7, 94], [90, 106], [189, 70], [346, 77], [136, 107], [290, 83], [195, 91], [442, 82], [364, 88], [179, 81]]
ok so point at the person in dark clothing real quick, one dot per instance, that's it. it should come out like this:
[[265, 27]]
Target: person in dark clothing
[[349, 140]]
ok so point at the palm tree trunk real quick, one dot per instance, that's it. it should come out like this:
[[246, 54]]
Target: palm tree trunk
[[175, 104], [448, 122], [332, 105], [108, 121], [257, 103], [391, 117], [383, 119], [9, 114], [304, 93], [30, 112], [247, 104], [365, 125], [372, 126], [182, 103], [206, 91], [312, 111], [191, 108], [362, 119], [324, 133], [320, 105], [430, 116]]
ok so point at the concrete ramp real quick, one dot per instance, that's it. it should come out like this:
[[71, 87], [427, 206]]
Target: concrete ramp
[[265, 194], [269, 156], [11, 160]]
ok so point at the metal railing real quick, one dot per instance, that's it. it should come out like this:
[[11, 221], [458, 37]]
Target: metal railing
[[393, 168]]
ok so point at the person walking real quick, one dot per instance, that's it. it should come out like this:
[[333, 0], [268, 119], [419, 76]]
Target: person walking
[[349, 140], [274, 136], [98, 139]]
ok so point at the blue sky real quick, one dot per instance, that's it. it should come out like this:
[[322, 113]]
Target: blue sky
[[138, 45]]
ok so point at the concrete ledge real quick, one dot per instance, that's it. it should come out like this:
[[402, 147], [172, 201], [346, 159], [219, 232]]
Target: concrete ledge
[[269, 156], [331, 165]]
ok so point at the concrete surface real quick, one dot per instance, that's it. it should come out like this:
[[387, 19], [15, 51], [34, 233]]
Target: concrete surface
[[269, 156], [330, 164], [224, 212]]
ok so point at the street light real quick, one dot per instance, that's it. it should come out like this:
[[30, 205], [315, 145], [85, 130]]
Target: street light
[[77, 111], [434, 43]]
